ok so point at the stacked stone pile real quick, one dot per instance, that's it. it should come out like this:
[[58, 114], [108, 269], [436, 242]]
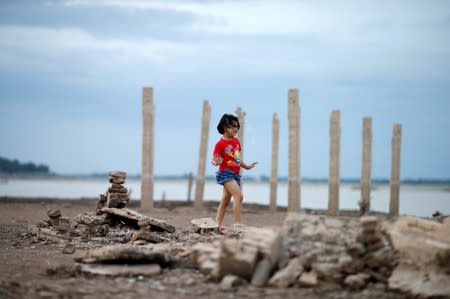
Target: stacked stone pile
[[373, 257], [56, 220], [117, 195]]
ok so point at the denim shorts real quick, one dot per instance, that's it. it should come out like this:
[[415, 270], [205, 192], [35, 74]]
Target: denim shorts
[[227, 175]]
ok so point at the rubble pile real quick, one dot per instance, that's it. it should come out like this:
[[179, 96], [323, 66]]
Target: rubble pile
[[117, 195], [253, 257], [331, 249], [309, 249], [410, 255], [111, 223]]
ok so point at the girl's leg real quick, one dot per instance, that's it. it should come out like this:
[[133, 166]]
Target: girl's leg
[[233, 188], [226, 196]]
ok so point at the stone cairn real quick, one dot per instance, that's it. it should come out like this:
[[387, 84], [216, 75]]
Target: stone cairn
[[117, 195]]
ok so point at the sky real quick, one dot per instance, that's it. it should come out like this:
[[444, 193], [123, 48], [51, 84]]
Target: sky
[[72, 74]]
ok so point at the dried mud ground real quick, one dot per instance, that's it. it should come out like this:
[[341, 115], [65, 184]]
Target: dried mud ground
[[25, 264]]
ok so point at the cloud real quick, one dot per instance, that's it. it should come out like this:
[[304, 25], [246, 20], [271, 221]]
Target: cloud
[[290, 16], [229, 39], [74, 51]]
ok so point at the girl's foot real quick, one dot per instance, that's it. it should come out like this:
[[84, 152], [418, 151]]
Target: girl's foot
[[222, 230]]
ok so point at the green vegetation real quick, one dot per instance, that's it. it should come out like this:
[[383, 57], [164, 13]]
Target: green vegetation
[[15, 167]]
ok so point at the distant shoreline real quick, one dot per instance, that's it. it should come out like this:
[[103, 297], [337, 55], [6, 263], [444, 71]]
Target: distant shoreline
[[377, 181]]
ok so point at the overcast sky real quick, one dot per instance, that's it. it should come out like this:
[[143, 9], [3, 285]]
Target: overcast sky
[[72, 73]]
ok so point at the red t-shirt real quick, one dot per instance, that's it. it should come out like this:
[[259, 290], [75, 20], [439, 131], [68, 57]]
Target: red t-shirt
[[230, 152]]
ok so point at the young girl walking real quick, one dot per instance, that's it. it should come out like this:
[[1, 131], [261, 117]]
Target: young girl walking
[[227, 155]]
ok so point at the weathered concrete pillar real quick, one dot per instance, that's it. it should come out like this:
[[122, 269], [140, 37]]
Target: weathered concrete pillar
[[200, 182], [274, 172], [190, 183], [294, 151], [366, 165], [241, 116], [395, 170], [147, 148], [335, 149], [240, 135]]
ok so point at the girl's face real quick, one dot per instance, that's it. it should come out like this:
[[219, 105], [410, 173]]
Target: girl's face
[[232, 129]]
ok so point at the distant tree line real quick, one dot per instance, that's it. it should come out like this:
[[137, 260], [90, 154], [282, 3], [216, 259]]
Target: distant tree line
[[15, 167]]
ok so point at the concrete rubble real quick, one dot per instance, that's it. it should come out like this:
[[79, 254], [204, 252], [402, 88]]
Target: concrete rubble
[[424, 249], [252, 257], [407, 255], [351, 252]]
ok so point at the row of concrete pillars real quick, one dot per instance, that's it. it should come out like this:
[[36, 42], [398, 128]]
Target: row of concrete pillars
[[294, 176]]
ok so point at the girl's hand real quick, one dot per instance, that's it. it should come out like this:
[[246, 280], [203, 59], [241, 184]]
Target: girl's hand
[[248, 167], [216, 160]]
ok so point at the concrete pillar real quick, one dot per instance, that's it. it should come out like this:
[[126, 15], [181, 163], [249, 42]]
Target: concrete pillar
[[395, 170], [200, 182], [240, 135], [190, 183], [294, 151], [335, 149], [366, 166], [274, 172], [148, 114]]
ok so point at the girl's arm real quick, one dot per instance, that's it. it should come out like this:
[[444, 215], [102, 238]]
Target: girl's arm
[[248, 166], [216, 160]]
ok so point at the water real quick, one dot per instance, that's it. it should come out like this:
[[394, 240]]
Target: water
[[419, 200]]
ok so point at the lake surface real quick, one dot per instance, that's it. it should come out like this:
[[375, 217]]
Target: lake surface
[[419, 200]]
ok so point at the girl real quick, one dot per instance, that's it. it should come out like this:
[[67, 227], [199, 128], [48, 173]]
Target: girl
[[227, 156]]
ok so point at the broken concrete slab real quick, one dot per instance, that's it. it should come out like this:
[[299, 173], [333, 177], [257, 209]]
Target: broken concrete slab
[[241, 257], [421, 243], [123, 254], [236, 259], [121, 270], [308, 279], [288, 275], [48, 234], [206, 256], [146, 236], [142, 220]]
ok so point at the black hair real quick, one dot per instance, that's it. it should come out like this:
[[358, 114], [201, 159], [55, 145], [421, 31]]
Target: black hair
[[225, 122]]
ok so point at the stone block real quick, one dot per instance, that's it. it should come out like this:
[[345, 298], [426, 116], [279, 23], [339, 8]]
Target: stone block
[[288, 275], [308, 280], [357, 281], [368, 221], [54, 214], [230, 282], [204, 225], [237, 259], [117, 174]]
